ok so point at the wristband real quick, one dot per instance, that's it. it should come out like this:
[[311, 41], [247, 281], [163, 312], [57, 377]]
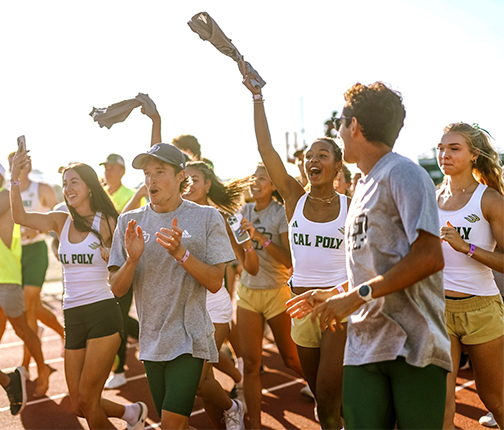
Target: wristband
[[14, 182], [184, 258], [340, 289], [472, 248], [257, 97], [266, 243], [248, 249]]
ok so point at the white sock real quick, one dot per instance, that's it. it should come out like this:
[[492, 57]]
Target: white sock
[[233, 408], [239, 364], [131, 414]]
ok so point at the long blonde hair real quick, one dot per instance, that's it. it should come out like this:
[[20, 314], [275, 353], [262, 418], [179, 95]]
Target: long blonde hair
[[488, 168]]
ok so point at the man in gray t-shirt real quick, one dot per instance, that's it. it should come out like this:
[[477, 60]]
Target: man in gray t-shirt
[[398, 351], [171, 251]]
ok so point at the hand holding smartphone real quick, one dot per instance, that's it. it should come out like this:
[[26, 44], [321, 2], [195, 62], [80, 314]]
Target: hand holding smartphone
[[234, 222], [21, 141]]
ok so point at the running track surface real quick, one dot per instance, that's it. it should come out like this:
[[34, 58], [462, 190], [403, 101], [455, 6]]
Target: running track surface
[[283, 406]]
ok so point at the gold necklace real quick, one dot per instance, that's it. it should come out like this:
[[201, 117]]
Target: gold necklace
[[323, 199]]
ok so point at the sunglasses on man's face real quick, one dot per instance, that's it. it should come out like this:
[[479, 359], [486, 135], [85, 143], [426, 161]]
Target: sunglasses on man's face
[[337, 121]]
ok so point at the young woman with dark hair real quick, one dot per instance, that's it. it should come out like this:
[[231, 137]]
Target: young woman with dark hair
[[93, 324], [316, 231], [471, 212], [206, 188]]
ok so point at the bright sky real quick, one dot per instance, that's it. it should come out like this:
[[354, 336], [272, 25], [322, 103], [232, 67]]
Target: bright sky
[[62, 58]]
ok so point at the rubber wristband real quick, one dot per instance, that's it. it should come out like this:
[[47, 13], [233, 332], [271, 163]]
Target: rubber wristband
[[257, 97], [340, 289], [14, 182], [184, 258], [248, 249], [472, 248], [267, 243]]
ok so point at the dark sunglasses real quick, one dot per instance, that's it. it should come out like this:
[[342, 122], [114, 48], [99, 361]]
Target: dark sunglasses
[[337, 121]]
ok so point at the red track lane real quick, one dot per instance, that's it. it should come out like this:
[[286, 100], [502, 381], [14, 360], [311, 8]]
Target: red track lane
[[283, 406]]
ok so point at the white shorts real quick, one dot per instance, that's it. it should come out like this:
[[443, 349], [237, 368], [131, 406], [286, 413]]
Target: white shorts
[[219, 306]]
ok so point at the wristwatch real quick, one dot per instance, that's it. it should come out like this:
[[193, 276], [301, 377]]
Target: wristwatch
[[366, 292]]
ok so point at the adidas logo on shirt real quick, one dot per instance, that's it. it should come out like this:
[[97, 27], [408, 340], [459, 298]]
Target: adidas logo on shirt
[[294, 224], [186, 234]]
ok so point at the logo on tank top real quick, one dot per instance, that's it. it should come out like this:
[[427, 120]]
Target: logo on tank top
[[94, 245], [359, 235], [472, 218], [342, 230], [294, 224], [464, 231], [146, 236]]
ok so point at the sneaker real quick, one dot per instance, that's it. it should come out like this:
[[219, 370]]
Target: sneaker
[[16, 390], [234, 420], [140, 425], [306, 391], [488, 420], [116, 380]]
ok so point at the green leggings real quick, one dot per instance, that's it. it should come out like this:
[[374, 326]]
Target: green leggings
[[173, 384], [377, 395]]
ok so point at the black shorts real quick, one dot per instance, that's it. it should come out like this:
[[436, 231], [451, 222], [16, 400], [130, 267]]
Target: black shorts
[[92, 321]]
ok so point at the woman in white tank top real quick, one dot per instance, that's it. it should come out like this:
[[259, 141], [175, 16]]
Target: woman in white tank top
[[316, 232], [205, 189], [472, 225], [85, 233]]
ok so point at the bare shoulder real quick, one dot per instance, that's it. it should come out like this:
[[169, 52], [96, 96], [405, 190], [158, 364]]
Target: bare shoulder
[[492, 204]]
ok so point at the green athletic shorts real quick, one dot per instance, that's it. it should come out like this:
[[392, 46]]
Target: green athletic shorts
[[377, 395], [174, 383], [34, 263]]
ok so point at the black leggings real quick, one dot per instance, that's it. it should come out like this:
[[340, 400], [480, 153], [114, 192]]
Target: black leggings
[[130, 327]]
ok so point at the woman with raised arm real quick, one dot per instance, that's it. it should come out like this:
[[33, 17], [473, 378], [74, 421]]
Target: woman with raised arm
[[316, 233], [93, 324], [471, 212], [206, 189]]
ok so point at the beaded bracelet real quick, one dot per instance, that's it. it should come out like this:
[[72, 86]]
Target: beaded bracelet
[[257, 97], [14, 182], [472, 248], [267, 243], [184, 258]]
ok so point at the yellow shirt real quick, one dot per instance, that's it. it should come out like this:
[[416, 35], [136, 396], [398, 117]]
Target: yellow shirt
[[10, 259]]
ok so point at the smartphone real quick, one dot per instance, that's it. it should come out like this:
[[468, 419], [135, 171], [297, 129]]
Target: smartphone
[[21, 141], [234, 222]]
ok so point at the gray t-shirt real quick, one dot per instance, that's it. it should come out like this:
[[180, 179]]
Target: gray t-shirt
[[171, 305], [390, 205], [271, 222]]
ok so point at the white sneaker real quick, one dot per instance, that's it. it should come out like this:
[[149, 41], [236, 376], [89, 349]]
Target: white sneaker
[[140, 425], [488, 420], [115, 380], [234, 420], [306, 391]]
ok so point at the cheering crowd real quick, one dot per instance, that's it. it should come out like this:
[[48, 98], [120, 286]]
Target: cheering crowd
[[372, 292]]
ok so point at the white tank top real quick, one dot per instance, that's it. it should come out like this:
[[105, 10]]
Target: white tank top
[[461, 273], [318, 248], [32, 203], [85, 274]]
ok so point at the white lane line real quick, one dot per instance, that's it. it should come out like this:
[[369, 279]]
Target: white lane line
[[21, 343], [464, 385], [59, 396]]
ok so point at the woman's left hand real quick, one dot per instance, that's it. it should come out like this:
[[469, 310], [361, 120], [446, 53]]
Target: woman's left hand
[[169, 238], [246, 225], [449, 234]]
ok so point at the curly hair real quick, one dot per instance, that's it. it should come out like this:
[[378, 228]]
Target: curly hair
[[226, 196], [488, 168], [99, 201], [378, 109]]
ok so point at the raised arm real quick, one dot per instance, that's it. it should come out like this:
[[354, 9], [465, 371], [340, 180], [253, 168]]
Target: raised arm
[[149, 108], [51, 221], [287, 186]]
